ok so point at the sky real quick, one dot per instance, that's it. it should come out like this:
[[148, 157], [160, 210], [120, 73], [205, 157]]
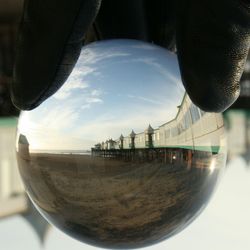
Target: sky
[[115, 87], [225, 223]]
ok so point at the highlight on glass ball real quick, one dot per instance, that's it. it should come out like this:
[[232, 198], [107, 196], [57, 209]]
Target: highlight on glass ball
[[120, 157]]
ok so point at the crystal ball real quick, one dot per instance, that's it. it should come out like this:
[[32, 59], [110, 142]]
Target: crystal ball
[[119, 156]]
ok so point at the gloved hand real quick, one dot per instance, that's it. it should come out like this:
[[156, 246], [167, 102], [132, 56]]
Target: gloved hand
[[212, 40]]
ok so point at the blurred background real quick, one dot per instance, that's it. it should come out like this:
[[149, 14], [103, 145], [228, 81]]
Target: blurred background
[[225, 224]]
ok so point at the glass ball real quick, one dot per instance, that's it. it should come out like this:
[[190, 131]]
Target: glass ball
[[119, 156]]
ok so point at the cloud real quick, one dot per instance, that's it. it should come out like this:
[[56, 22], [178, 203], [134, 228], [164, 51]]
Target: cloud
[[93, 100], [90, 56], [96, 92], [144, 46], [161, 69], [145, 99], [85, 106], [110, 126], [61, 95], [50, 131], [74, 82]]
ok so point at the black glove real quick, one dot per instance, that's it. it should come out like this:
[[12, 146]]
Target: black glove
[[212, 40]]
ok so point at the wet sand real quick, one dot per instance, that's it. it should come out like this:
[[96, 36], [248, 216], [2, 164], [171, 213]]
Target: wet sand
[[112, 202]]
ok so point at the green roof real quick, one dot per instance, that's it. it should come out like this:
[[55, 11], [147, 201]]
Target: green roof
[[8, 121]]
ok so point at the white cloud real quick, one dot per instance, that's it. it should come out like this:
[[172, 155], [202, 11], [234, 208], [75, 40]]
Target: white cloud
[[89, 56], [110, 126], [61, 95], [75, 81], [93, 100], [144, 46], [145, 99], [47, 131], [96, 92], [85, 106], [161, 69]]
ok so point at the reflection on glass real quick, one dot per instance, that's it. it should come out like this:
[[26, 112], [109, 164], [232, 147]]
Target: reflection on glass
[[120, 157], [238, 134]]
